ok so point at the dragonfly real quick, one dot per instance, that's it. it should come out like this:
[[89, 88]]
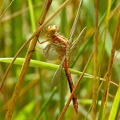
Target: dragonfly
[[58, 47]]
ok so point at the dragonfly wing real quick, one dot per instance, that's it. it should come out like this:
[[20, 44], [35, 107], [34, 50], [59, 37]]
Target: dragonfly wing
[[57, 76], [76, 45], [50, 53]]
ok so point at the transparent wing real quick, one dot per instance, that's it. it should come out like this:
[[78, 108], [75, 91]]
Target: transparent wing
[[57, 76], [50, 53], [76, 45]]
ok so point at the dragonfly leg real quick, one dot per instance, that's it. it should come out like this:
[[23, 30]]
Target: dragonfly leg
[[43, 41], [45, 34]]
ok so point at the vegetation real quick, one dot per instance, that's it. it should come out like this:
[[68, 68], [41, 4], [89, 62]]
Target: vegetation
[[96, 65]]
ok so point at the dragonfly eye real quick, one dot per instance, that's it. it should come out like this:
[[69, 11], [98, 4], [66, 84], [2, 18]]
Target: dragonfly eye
[[51, 30]]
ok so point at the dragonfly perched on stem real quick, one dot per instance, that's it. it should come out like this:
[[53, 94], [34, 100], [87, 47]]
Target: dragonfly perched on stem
[[64, 49], [59, 47]]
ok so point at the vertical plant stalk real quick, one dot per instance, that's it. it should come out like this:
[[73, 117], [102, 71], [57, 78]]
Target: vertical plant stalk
[[32, 16], [95, 80], [62, 86], [110, 65], [26, 64], [103, 50]]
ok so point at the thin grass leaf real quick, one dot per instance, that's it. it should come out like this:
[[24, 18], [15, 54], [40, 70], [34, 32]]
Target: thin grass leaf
[[115, 106]]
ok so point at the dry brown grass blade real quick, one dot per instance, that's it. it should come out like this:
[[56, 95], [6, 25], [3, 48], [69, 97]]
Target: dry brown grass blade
[[26, 65], [24, 90], [110, 65]]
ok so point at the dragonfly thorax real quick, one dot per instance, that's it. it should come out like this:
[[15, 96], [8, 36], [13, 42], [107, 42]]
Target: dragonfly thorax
[[57, 44]]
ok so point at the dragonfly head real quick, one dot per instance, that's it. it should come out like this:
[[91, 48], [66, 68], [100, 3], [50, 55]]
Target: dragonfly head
[[51, 30]]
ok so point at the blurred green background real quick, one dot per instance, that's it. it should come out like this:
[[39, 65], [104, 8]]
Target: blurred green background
[[36, 97]]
